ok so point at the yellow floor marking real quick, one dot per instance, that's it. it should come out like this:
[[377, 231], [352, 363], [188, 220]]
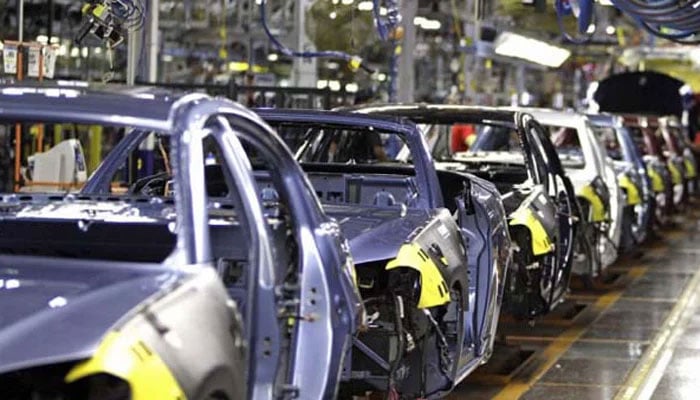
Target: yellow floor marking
[[658, 351], [588, 385], [561, 343], [553, 351], [650, 299], [588, 340]]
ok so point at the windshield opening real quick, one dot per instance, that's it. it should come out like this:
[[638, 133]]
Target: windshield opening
[[609, 139], [567, 144], [354, 165]]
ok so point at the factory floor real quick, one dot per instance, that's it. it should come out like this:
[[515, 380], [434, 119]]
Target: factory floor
[[635, 335]]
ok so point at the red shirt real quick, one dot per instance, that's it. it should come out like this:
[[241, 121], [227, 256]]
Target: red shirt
[[460, 135]]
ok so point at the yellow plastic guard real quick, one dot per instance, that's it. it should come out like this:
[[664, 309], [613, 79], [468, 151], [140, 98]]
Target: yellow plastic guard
[[541, 243], [130, 359], [676, 176], [690, 168], [434, 291], [657, 183], [597, 207], [633, 197]]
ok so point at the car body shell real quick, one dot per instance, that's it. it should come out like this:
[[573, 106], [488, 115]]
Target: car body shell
[[530, 204], [137, 296], [665, 177], [596, 167], [634, 180], [474, 240]]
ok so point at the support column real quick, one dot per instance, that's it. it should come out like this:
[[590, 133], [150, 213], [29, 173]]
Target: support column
[[132, 56], [305, 72], [153, 39], [406, 78]]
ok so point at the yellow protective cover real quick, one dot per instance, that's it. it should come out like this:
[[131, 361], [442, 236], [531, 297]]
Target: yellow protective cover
[[127, 357], [434, 291], [597, 207], [633, 197], [541, 242]]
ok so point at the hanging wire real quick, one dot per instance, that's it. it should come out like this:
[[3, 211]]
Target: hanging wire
[[675, 20], [385, 26], [562, 8], [355, 61]]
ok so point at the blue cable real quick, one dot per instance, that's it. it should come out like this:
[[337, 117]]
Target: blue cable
[[355, 61]]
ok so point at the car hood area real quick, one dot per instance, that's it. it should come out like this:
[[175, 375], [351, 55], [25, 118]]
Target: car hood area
[[58, 310], [376, 233]]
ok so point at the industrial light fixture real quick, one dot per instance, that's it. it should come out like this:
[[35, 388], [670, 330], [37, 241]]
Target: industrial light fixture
[[610, 30], [272, 57], [365, 6], [352, 87], [518, 46], [427, 24]]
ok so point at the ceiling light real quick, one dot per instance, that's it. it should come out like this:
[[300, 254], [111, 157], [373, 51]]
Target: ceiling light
[[365, 6], [591, 29], [321, 84], [513, 45], [352, 87], [610, 30], [334, 85], [419, 20], [347, 2], [272, 57], [333, 14], [431, 25]]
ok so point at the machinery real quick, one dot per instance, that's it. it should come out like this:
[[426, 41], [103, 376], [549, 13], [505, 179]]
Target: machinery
[[60, 169]]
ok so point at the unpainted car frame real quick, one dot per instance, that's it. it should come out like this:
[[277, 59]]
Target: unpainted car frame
[[537, 195], [632, 176], [161, 310], [457, 229], [595, 183]]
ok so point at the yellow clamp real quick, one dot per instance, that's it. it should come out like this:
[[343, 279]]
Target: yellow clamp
[[355, 63], [130, 359], [434, 291], [541, 243]]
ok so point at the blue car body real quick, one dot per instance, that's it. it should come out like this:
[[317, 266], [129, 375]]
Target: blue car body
[[90, 267], [456, 220]]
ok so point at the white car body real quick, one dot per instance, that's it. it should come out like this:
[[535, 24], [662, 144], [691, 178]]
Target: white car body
[[596, 163]]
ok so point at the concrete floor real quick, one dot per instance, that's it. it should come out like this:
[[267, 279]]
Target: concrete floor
[[635, 337]]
